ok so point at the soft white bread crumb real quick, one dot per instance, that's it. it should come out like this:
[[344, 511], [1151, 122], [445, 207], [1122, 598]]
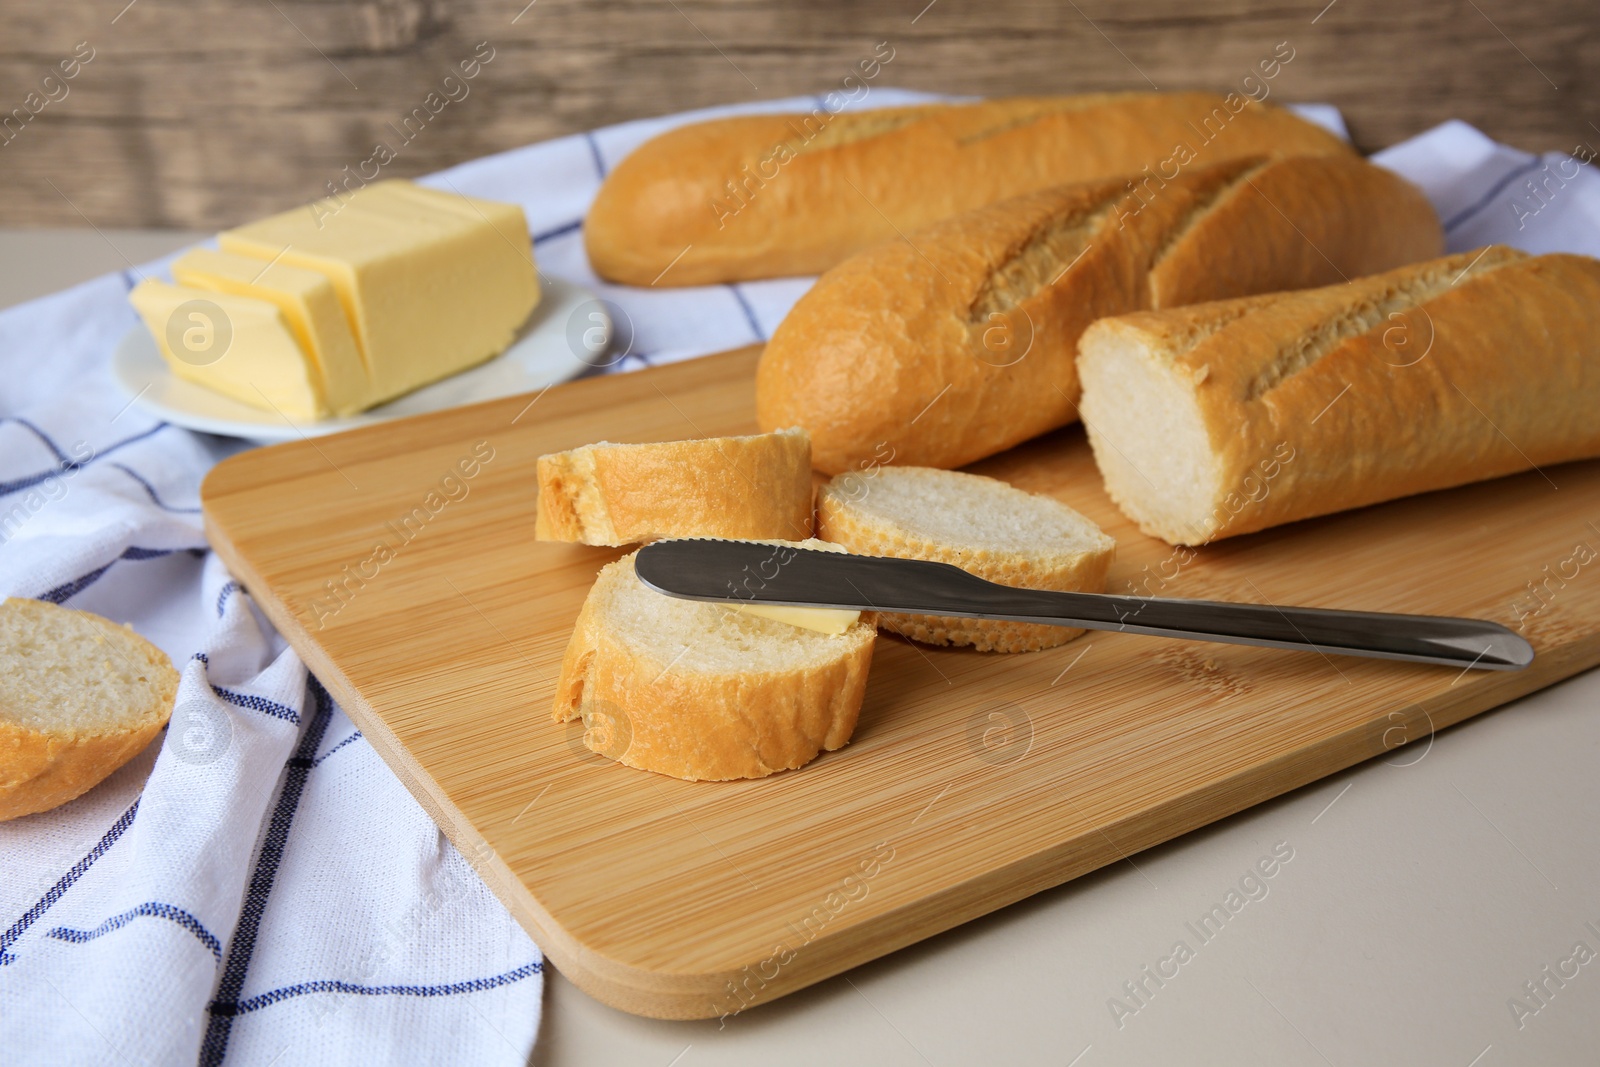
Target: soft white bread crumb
[[979, 524], [702, 691], [79, 697], [1216, 420], [1142, 415]]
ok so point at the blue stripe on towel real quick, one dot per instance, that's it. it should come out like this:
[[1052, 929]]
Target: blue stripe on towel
[[153, 909], [249, 700], [594, 151], [1487, 198], [330, 985], [558, 231], [58, 890], [29, 481], [149, 489], [749, 312], [67, 590], [319, 760], [214, 1046], [55, 449], [64, 464], [255, 703]]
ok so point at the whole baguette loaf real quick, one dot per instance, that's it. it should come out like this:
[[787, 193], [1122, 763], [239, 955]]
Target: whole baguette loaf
[[1225, 418], [742, 487], [702, 691], [761, 196], [960, 341]]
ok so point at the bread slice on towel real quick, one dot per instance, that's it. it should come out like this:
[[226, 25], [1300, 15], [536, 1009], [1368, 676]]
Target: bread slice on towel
[[754, 487], [701, 691], [79, 697], [1230, 417], [979, 524]]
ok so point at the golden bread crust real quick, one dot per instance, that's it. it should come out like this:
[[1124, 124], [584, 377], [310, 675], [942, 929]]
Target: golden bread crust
[[751, 488], [1495, 369], [42, 769], [762, 196], [704, 725], [961, 341]]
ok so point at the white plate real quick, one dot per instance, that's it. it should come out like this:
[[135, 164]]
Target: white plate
[[541, 355]]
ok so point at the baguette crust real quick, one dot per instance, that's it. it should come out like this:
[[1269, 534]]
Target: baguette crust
[[1301, 404], [740, 487], [842, 520], [1294, 224], [763, 196], [42, 768], [959, 342], [698, 724]]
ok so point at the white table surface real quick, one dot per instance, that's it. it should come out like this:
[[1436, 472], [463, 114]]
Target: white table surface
[[1423, 893]]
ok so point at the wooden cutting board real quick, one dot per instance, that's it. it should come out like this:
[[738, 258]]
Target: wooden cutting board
[[973, 780]]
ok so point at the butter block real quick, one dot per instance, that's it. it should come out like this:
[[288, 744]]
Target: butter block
[[310, 306], [238, 346], [823, 620], [431, 282]]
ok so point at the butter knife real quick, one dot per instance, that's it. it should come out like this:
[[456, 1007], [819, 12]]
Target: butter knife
[[750, 571]]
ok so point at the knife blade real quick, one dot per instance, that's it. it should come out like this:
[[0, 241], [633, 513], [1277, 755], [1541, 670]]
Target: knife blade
[[752, 571]]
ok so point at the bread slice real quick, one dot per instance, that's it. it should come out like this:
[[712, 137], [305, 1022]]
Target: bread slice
[[961, 340], [1226, 418], [755, 487], [701, 691], [979, 524], [79, 697]]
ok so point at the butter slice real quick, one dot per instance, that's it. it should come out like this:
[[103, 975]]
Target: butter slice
[[432, 283], [256, 359], [309, 305], [823, 620]]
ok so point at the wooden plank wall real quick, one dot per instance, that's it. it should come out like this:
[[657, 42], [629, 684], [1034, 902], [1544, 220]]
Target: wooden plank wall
[[201, 113]]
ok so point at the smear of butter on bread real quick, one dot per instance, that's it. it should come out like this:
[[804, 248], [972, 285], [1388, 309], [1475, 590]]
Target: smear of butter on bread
[[823, 620]]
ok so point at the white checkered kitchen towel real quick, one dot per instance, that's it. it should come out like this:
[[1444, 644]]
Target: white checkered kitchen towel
[[257, 887]]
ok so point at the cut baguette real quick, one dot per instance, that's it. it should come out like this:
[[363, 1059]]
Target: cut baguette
[[960, 341], [79, 697], [701, 691], [759, 196], [979, 524], [754, 487], [1226, 418]]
